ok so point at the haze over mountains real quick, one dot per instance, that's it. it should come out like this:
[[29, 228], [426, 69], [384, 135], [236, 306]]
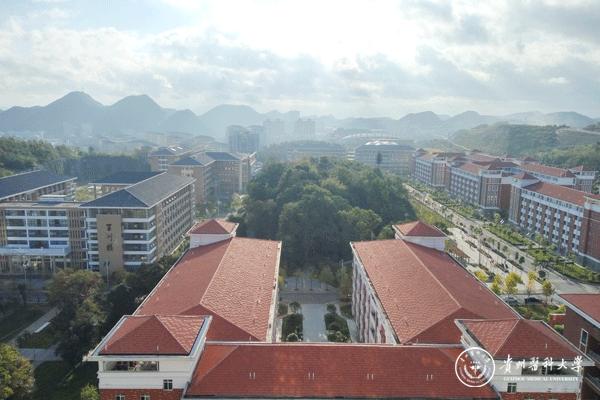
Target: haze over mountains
[[135, 114]]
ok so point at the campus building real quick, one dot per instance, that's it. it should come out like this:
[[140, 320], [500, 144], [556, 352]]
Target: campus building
[[208, 329], [140, 223], [41, 236], [385, 154], [30, 186], [582, 328], [563, 216], [200, 169], [160, 158], [120, 180]]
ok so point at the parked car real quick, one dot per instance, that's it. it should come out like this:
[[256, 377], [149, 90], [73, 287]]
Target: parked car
[[511, 301], [532, 300]]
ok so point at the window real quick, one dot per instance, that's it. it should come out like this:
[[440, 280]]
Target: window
[[145, 397], [120, 397], [511, 388], [168, 384], [583, 341]]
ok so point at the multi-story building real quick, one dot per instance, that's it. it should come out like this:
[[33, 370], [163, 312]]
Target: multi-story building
[[41, 236], [244, 140], [565, 217], [386, 155], [577, 178], [208, 330], [228, 174], [478, 184], [200, 169], [120, 180], [274, 131], [582, 328], [305, 129], [140, 223], [546, 367], [431, 169], [389, 307], [160, 159], [300, 150], [30, 186]]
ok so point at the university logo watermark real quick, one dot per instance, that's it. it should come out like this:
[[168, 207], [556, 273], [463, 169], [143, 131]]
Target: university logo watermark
[[474, 367]]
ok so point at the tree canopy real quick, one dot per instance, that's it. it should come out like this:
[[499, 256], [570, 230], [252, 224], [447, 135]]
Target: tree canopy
[[16, 374], [316, 207]]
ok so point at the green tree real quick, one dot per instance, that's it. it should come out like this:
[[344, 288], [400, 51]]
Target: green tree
[[295, 307], [16, 374], [78, 294], [89, 392], [481, 275], [497, 284], [531, 279], [547, 289], [511, 282], [327, 276], [345, 279]]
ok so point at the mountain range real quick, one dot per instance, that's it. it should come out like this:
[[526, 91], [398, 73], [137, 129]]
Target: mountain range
[[78, 111]]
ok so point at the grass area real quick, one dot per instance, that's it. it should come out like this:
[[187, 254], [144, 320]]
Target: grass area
[[40, 340], [507, 233], [431, 217], [541, 255], [55, 380], [536, 311], [21, 317], [576, 271]]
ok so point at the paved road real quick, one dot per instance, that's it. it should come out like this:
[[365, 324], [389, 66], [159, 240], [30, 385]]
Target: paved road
[[562, 284], [314, 323]]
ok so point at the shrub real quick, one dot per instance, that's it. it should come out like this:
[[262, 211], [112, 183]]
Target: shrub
[[292, 337], [334, 322], [331, 308], [346, 310], [282, 309], [291, 324], [337, 336]]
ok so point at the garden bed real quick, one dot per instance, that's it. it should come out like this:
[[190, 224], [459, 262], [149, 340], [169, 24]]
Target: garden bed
[[292, 325]]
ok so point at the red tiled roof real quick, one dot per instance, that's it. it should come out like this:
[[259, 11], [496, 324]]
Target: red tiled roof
[[423, 291], [524, 175], [232, 280], [520, 338], [213, 227], [589, 303], [546, 170], [328, 371], [418, 228], [563, 193], [154, 334]]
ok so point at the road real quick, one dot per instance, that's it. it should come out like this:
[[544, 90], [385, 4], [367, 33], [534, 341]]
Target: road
[[561, 283]]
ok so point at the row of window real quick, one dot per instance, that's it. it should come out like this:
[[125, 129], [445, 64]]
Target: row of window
[[167, 385]]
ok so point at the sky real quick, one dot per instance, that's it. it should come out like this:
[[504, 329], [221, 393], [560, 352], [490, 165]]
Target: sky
[[345, 58]]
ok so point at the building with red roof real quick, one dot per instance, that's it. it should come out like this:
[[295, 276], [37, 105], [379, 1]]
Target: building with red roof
[[207, 328], [582, 328], [529, 357]]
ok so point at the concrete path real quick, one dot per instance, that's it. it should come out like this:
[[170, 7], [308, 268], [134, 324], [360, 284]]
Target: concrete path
[[314, 322], [38, 356], [38, 323]]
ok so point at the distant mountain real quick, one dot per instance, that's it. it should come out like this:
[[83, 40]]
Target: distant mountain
[[513, 139], [78, 113]]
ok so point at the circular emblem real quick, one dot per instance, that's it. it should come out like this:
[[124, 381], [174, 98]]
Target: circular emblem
[[474, 367]]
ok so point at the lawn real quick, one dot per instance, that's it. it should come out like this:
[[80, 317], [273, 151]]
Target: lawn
[[55, 380], [18, 320], [536, 311], [507, 233]]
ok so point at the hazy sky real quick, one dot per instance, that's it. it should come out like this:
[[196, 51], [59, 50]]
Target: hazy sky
[[344, 58]]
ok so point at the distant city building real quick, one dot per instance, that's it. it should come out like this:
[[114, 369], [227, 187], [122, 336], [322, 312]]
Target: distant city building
[[386, 155], [305, 129], [229, 176], [274, 131], [140, 223], [299, 150], [244, 140], [41, 236], [32, 185]]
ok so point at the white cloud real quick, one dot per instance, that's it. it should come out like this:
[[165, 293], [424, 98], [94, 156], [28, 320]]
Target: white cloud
[[341, 57]]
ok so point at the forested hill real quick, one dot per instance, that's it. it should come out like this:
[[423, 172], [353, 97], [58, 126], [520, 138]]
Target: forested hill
[[317, 207], [18, 155], [520, 140]]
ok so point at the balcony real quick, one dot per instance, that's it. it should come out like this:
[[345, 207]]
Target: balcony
[[593, 382], [594, 356]]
